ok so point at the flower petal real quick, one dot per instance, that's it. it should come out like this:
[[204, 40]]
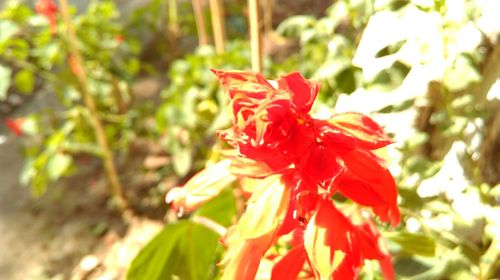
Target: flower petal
[[250, 168], [320, 164], [368, 182], [324, 250], [370, 242], [244, 258], [203, 186], [290, 265], [302, 92], [15, 125], [251, 84], [367, 133], [266, 208]]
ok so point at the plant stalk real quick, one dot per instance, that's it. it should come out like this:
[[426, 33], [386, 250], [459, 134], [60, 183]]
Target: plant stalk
[[200, 23], [107, 155], [218, 25], [268, 15], [255, 35]]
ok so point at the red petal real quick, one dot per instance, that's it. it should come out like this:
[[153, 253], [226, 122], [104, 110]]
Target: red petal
[[368, 182], [15, 125], [334, 138], [301, 137], [358, 190], [328, 240], [387, 268], [290, 265], [245, 259], [320, 164], [289, 223], [369, 239], [349, 268], [367, 133], [302, 92], [275, 159]]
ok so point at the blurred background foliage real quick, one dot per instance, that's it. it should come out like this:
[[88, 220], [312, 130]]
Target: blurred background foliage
[[427, 70]]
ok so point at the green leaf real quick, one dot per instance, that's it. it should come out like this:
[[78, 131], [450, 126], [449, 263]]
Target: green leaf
[[448, 265], [221, 209], [151, 261], [390, 49], [346, 80], [461, 74], [24, 81], [57, 165], [185, 250], [5, 74], [413, 243], [295, 26], [396, 108]]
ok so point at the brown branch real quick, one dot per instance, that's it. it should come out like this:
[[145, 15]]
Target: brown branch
[[268, 15], [78, 71]]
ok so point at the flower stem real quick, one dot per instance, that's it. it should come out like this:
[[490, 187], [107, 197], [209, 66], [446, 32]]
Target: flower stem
[[107, 155], [210, 224]]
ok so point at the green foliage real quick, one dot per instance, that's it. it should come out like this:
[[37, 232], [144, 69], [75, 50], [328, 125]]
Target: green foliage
[[349, 50], [24, 81], [417, 244], [185, 249], [192, 108], [31, 52]]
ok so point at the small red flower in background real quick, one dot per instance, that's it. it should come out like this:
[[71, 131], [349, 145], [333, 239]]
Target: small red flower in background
[[119, 38], [48, 9], [15, 125], [299, 163]]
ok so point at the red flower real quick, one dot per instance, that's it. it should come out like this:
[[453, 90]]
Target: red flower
[[299, 163], [119, 38], [15, 125], [273, 126], [49, 10], [347, 245]]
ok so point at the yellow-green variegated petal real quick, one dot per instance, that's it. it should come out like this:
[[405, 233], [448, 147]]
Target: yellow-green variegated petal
[[203, 186], [266, 208]]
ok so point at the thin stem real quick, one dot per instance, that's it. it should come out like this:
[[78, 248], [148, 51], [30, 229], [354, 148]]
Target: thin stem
[[268, 15], [173, 18], [255, 35], [200, 23], [107, 155], [217, 25], [210, 224], [117, 94]]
